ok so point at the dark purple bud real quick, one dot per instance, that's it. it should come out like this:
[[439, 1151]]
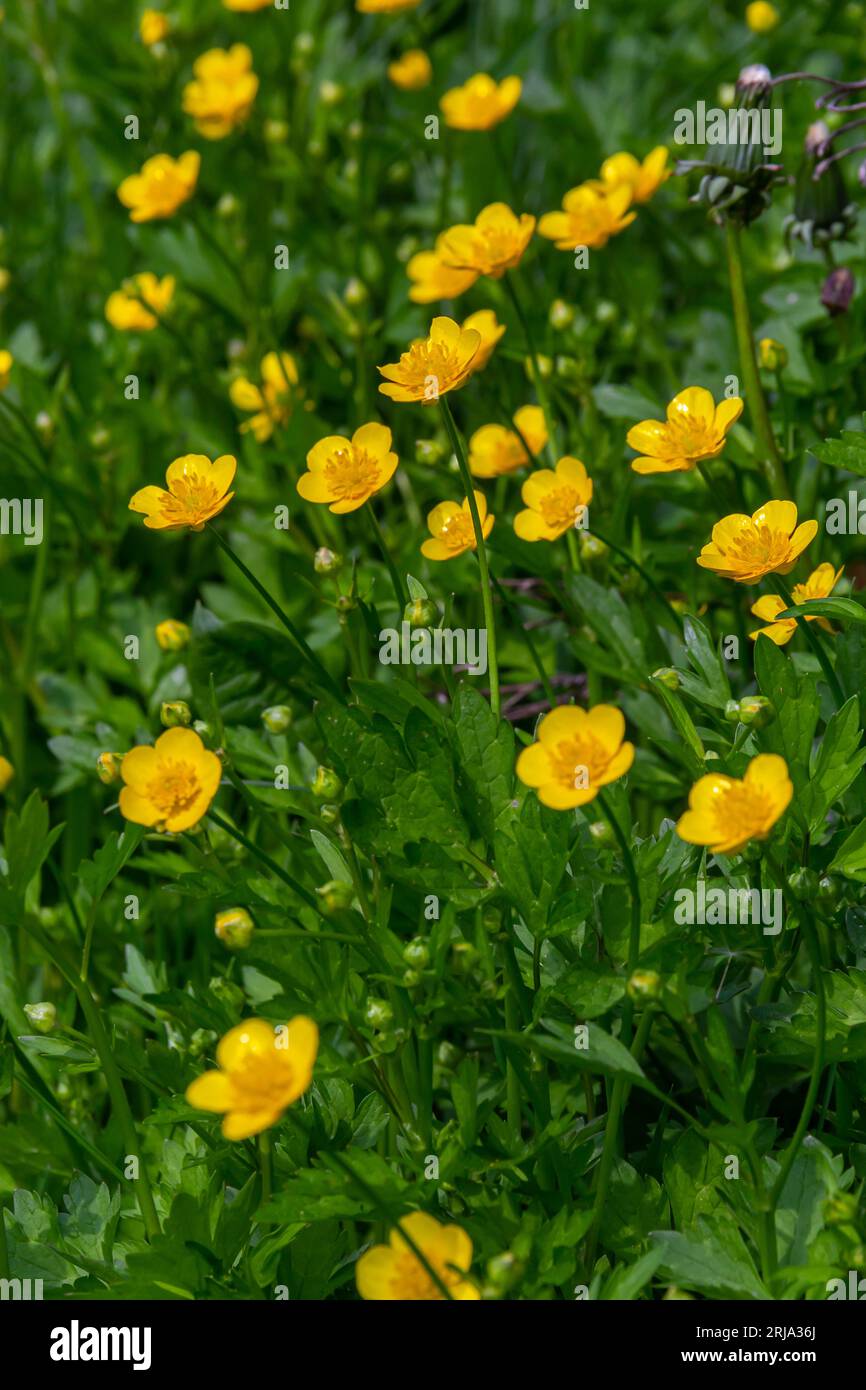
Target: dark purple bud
[[838, 290]]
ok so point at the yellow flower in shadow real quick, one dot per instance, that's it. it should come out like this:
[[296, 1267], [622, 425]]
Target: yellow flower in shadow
[[696, 429], [262, 1070], [725, 813], [394, 1273], [745, 548], [495, 450], [485, 322], [451, 528], [128, 309], [170, 785], [432, 280], [272, 401], [345, 472], [643, 179], [197, 491], [578, 751]]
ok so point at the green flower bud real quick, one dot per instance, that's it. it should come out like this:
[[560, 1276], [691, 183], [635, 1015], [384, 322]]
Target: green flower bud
[[421, 612], [227, 992], [335, 896], [346, 603], [326, 561], [108, 767], [234, 928], [828, 891], [44, 426], [42, 1016], [416, 953], [773, 356], [463, 957], [590, 547], [504, 1270], [355, 294], [803, 883], [606, 311], [447, 1055], [378, 1014], [228, 205], [601, 832], [329, 814], [644, 985], [203, 729], [172, 635], [732, 712], [429, 451], [668, 677], [201, 1042], [545, 366], [757, 711], [675, 1295], [326, 785], [174, 714], [560, 315], [411, 979], [277, 718]]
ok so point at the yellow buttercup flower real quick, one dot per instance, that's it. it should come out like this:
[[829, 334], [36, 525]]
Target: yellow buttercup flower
[[172, 635], [725, 813], [197, 491], [485, 322], [262, 1070], [643, 179], [272, 401], [124, 309], [495, 450], [590, 217], [161, 187], [745, 548], [222, 92], [820, 584], [385, 6], [451, 528], [578, 752], [532, 426], [394, 1273], [433, 280], [411, 71], [696, 429], [433, 366], [247, 6], [346, 472], [7, 361], [170, 785], [556, 499], [494, 243], [480, 103], [761, 17], [152, 27], [7, 772]]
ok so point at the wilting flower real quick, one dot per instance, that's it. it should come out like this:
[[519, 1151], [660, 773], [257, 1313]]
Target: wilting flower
[[222, 92], [171, 784], [494, 243], [161, 187], [837, 290], [125, 310], [761, 17], [696, 429], [725, 813], [262, 1070], [451, 528], [485, 322], [556, 500], [346, 472], [642, 179], [272, 401], [434, 365], [385, 6], [7, 362], [411, 71], [152, 27], [745, 548], [590, 218], [7, 772], [172, 635], [394, 1273], [820, 584], [578, 752], [197, 491], [480, 103], [432, 279]]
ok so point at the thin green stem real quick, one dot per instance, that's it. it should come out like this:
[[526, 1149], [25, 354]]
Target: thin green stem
[[766, 450], [266, 1166], [264, 858], [540, 384], [396, 582]]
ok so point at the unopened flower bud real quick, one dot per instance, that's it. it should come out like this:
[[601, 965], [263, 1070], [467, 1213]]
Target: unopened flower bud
[[329, 814], [668, 677], [601, 832], [732, 712], [757, 711], [234, 928], [173, 713], [330, 93], [355, 293], [837, 290], [543, 364], [463, 957], [416, 953], [378, 1013], [228, 207], [277, 718], [840, 1209], [42, 1016], [335, 896], [429, 451], [326, 561], [227, 992], [201, 1042], [326, 785], [172, 635], [644, 985], [606, 311], [773, 355], [410, 979], [560, 315], [421, 612], [803, 883], [828, 891], [590, 547], [503, 1270], [203, 729], [44, 426], [447, 1055], [346, 603], [108, 767]]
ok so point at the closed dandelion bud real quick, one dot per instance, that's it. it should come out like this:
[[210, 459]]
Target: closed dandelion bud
[[42, 1016], [329, 814], [172, 635], [326, 785], [378, 1014], [773, 356], [416, 953], [601, 832], [839, 1210], [7, 772], [175, 713], [837, 291], [644, 985], [828, 891], [561, 315], [335, 896], [736, 176], [326, 561], [108, 767], [429, 451], [545, 366], [277, 718], [463, 957], [226, 992], [201, 1042], [732, 712], [757, 711], [667, 676], [421, 612], [234, 928], [803, 883], [44, 426]]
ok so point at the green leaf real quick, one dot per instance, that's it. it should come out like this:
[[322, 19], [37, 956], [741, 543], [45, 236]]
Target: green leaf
[[96, 874], [716, 1265], [850, 858], [624, 403], [848, 452], [837, 763], [531, 856], [331, 857], [27, 842], [589, 989], [842, 609], [796, 703], [707, 682], [485, 750]]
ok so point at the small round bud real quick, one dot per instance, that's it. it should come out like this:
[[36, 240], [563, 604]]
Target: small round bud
[[42, 1016], [503, 1270], [378, 1013], [411, 979], [329, 814], [108, 767], [304, 43], [757, 711], [355, 293], [606, 311], [346, 603], [828, 891], [463, 957], [227, 207], [172, 635], [44, 426], [234, 928], [773, 356], [447, 1055], [175, 713], [560, 315], [590, 547], [201, 1042], [644, 985], [727, 94], [326, 561], [601, 832], [803, 883], [5, 279], [227, 992], [732, 712], [421, 612], [330, 93], [355, 130], [326, 785], [335, 896], [99, 437], [203, 729], [277, 718], [429, 451], [668, 677], [416, 953]]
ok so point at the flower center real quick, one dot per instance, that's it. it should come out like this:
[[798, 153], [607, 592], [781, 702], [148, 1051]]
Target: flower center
[[688, 438], [174, 788], [561, 508], [262, 1082], [190, 497], [428, 359], [760, 546], [747, 810], [411, 1280], [578, 761], [458, 531], [352, 473]]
